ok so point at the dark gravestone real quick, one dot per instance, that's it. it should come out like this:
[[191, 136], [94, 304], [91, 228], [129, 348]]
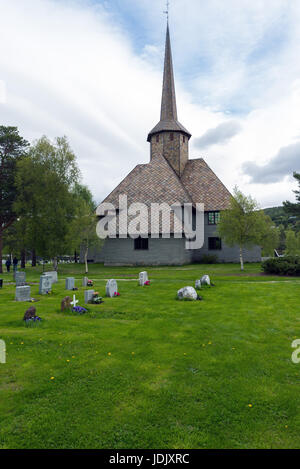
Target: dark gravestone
[[30, 313], [1, 282]]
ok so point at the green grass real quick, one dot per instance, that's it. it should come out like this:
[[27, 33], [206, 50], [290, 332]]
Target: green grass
[[147, 371]]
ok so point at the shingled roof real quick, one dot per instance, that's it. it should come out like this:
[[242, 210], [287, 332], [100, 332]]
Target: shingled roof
[[204, 186], [157, 182]]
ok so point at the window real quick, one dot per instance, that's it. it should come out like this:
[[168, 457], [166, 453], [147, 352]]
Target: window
[[171, 137], [214, 244], [213, 218], [183, 139], [141, 244], [157, 138]]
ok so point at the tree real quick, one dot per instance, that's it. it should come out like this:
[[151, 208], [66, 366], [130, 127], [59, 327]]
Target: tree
[[12, 149], [293, 209], [44, 183], [244, 224], [83, 229], [292, 243]]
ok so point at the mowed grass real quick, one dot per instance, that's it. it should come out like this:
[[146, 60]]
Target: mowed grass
[[147, 371]]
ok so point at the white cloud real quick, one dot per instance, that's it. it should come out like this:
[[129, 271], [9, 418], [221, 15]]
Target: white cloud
[[70, 67]]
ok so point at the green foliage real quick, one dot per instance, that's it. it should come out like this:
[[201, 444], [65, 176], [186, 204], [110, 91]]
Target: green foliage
[[245, 225], [208, 259], [45, 203], [83, 228], [12, 149], [287, 265], [292, 243], [293, 209]]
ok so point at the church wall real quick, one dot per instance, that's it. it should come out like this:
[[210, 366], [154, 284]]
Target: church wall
[[161, 252], [175, 151]]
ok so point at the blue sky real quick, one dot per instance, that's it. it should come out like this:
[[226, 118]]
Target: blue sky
[[92, 70]]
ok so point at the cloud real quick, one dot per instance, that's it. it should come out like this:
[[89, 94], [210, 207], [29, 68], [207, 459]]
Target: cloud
[[92, 70], [283, 164], [219, 135]]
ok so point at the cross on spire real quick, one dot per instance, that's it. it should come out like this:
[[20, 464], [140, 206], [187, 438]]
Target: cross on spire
[[167, 10]]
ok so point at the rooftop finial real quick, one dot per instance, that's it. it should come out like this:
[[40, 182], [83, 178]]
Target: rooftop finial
[[167, 10]]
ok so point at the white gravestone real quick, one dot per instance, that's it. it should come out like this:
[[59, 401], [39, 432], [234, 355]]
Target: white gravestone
[[111, 288], [198, 284], [20, 279], [53, 275], [143, 278], [70, 283], [187, 293], [45, 284], [205, 280], [23, 293], [88, 296], [84, 281]]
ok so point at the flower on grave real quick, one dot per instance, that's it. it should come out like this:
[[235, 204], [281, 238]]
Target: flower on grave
[[116, 294], [90, 283], [147, 283], [79, 310]]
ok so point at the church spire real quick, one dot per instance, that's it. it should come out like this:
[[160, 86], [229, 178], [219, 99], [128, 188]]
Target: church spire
[[168, 116], [168, 101]]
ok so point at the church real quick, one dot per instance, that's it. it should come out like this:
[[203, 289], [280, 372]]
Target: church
[[171, 177]]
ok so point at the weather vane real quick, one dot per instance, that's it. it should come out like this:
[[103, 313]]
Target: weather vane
[[167, 10]]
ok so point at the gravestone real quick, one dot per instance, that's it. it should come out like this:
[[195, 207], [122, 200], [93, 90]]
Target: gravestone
[[20, 279], [70, 283], [53, 275], [88, 295], [143, 278], [1, 282], [84, 281], [198, 284], [187, 293], [45, 284], [111, 288], [23, 293], [205, 280]]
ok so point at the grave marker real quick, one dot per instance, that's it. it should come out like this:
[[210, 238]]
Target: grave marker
[[20, 279], [23, 293], [45, 284], [70, 283], [111, 288]]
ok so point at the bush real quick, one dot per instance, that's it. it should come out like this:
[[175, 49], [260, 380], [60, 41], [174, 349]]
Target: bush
[[287, 265], [209, 259]]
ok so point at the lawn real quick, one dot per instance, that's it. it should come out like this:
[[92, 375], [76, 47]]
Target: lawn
[[144, 370]]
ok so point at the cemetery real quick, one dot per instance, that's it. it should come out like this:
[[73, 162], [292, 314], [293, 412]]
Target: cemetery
[[170, 372]]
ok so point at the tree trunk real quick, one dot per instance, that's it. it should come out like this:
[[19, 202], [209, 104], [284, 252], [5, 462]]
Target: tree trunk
[[55, 263], [241, 258], [75, 257], [1, 246], [23, 259], [85, 260], [33, 258]]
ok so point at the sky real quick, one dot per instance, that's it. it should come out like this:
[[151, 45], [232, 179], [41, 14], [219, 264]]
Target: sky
[[92, 70]]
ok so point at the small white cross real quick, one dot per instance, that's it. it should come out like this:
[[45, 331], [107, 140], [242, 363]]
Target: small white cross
[[74, 302]]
